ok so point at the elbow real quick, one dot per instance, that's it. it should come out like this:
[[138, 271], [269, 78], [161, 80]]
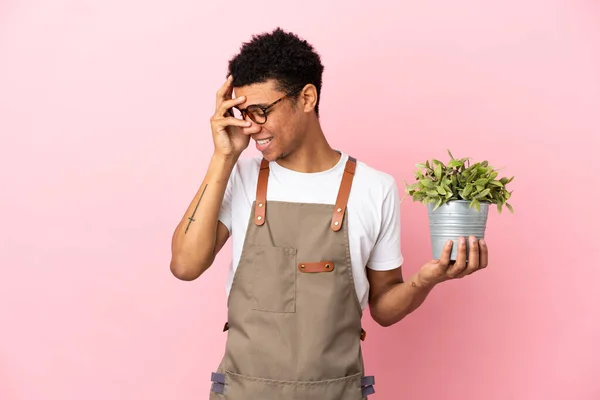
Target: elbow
[[386, 319], [186, 271], [386, 323]]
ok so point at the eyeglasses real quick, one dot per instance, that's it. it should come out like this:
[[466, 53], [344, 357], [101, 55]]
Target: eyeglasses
[[258, 113]]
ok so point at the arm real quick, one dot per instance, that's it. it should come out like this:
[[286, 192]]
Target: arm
[[391, 299], [199, 236]]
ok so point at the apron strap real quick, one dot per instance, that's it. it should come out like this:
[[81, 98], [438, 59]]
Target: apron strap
[[341, 202], [343, 194], [261, 193]]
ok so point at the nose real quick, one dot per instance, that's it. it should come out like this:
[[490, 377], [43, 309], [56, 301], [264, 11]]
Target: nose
[[252, 129]]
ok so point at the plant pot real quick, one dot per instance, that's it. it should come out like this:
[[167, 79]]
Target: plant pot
[[453, 220]]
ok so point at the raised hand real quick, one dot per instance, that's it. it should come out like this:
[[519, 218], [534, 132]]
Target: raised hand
[[227, 131]]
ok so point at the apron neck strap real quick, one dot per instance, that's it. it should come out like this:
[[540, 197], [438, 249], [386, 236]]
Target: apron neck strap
[[341, 202], [343, 194], [261, 193]]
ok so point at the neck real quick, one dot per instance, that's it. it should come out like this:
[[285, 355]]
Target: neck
[[314, 154]]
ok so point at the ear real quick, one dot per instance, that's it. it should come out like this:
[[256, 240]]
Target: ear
[[308, 98]]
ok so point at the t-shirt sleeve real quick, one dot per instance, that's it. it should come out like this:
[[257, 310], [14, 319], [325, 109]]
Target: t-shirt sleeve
[[387, 254], [225, 215]]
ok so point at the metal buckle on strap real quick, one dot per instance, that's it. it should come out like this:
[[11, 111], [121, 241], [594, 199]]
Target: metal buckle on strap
[[366, 384], [218, 380]]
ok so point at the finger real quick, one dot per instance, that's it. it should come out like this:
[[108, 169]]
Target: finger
[[473, 263], [461, 259], [483, 254], [224, 91], [231, 121], [473, 254], [445, 256], [225, 107]]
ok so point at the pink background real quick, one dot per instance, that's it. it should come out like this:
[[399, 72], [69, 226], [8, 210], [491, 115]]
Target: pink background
[[104, 111]]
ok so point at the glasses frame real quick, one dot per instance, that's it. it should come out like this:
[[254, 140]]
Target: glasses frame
[[264, 109]]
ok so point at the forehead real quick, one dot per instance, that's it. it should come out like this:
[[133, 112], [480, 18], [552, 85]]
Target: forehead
[[258, 93]]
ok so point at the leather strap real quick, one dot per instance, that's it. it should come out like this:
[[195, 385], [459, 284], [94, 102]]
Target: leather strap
[[260, 206], [323, 266], [343, 194], [341, 202]]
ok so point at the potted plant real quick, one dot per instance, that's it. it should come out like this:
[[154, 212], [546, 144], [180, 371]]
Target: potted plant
[[458, 195]]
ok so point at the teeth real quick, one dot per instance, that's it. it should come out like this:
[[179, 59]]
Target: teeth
[[264, 141]]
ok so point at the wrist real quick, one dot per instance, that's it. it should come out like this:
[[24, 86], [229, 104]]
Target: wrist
[[228, 160], [418, 282]]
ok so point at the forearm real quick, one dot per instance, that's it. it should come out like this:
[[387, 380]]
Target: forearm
[[194, 239], [399, 300]]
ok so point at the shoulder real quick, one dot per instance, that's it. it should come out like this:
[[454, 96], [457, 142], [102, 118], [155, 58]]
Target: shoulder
[[373, 181]]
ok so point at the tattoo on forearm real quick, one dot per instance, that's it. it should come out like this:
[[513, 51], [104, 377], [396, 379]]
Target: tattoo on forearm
[[195, 209]]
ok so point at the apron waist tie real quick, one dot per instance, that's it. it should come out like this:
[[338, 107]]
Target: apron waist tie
[[218, 381], [366, 384]]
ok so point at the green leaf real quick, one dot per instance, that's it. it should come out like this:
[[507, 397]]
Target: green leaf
[[499, 206], [427, 182], [483, 194], [438, 171], [455, 163], [481, 182], [476, 204], [418, 196], [510, 208], [496, 183], [441, 190], [432, 193], [467, 190], [450, 154], [421, 166]]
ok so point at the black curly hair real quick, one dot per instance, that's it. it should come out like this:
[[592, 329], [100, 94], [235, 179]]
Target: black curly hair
[[292, 62]]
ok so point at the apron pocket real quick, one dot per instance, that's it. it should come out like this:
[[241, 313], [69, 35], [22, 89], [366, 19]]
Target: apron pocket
[[238, 387], [274, 287]]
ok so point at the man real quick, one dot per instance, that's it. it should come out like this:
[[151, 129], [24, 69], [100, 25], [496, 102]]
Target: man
[[315, 235]]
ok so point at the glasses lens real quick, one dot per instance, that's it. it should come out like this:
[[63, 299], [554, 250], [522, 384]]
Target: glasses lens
[[237, 113], [257, 115]]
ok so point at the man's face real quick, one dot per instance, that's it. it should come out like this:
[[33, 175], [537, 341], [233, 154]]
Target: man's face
[[281, 134]]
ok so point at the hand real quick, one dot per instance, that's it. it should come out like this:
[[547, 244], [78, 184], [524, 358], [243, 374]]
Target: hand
[[437, 271], [228, 136]]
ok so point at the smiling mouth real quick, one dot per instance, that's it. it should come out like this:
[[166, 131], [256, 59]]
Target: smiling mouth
[[262, 142]]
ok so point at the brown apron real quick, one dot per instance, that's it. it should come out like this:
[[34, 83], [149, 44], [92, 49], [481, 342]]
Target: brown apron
[[294, 319]]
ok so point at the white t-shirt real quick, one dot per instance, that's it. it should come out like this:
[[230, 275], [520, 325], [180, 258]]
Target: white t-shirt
[[373, 211]]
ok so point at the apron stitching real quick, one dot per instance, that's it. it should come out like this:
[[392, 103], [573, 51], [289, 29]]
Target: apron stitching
[[295, 383]]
